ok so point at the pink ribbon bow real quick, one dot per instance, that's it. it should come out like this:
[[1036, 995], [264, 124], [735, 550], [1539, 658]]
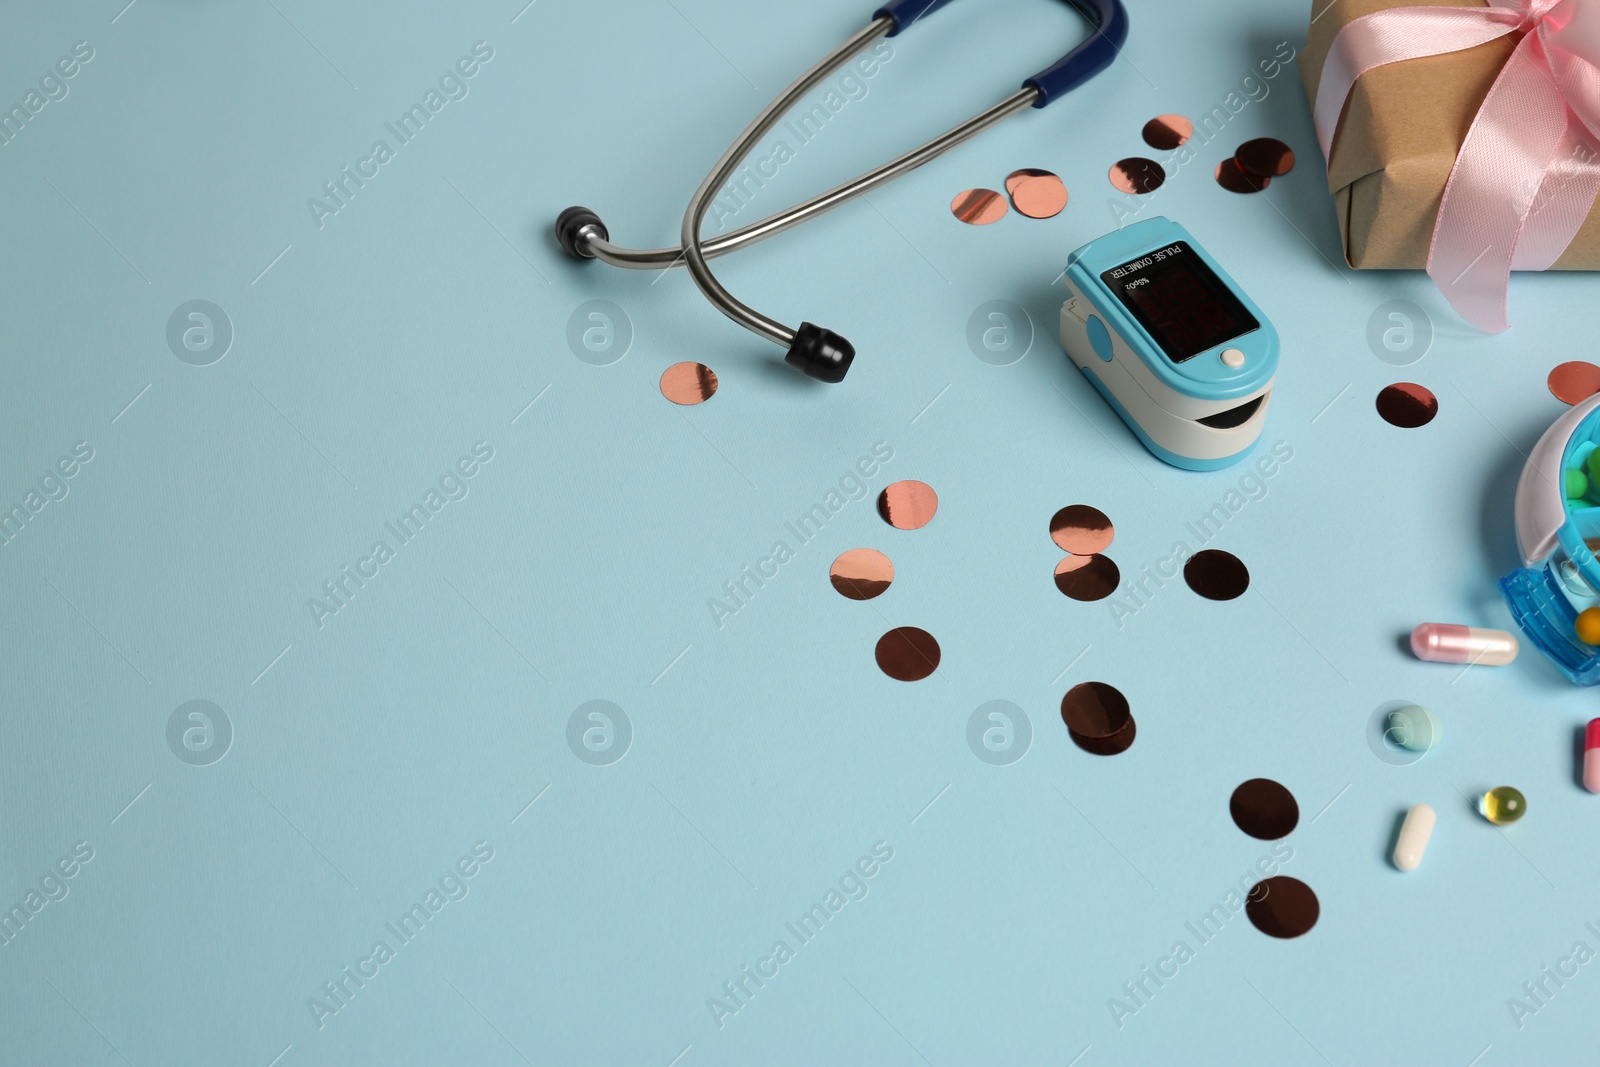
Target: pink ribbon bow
[[1529, 170]]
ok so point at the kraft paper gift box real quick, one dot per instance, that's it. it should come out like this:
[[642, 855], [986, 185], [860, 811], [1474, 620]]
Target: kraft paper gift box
[[1403, 126]]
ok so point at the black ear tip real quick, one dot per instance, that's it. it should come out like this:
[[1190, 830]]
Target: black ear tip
[[820, 354], [570, 223]]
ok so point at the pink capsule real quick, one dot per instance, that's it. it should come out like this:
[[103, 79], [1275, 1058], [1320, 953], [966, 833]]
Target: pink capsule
[[1591, 757], [1443, 642]]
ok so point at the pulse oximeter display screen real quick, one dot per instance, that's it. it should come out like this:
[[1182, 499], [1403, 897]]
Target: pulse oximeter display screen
[[1180, 301]]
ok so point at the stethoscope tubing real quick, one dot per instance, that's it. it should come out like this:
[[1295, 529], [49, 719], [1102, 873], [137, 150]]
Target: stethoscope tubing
[[664, 258], [822, 353], [694, 216]]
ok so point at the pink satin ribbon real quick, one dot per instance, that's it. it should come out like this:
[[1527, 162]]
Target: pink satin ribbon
[[1529, 170]]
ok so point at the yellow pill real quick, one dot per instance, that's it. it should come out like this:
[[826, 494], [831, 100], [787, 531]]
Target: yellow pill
[[1502, 805], [1589, 627]]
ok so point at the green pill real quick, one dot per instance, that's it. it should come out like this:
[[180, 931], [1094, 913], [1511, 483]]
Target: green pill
[[1577, 485], [1415, 728], [1594, 465]]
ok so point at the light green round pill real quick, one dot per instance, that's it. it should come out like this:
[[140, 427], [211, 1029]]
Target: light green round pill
[[1577, 485], [1415, 727]]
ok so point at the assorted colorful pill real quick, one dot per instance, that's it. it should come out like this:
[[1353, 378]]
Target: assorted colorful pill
[[1443, 642], [1414, 728], [1588, 626], [1591, 756], [1414, 835], [1503, 805]]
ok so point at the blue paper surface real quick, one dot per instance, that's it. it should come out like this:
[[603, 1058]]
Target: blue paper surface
[[356, 357]]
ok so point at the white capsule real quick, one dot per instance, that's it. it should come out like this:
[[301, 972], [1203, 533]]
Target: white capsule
[[1414, 834]]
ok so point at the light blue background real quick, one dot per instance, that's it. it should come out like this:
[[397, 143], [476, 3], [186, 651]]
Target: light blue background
[[771, 753]]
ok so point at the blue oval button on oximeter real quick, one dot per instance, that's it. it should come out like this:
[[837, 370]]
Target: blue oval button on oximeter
[[1171, 341], [1100, 338]]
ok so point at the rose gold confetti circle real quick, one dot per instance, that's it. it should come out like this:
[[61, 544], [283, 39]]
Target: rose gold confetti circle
[[1573, 383], [1282, 907], [908, 505], [861, 573], [1114, 745], [1081, 530], [1137, 175], [979, 207], [1017, 177], [1236, 179], [1265, 157], [1088, 578], [1408, 405], [907, 654], [1166, 132], [1098, 719], [689, 383], [1043, 197], [1217, 575], [1095, 709], [1264, 809]]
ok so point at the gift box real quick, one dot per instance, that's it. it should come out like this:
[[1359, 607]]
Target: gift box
[[1400, 88]]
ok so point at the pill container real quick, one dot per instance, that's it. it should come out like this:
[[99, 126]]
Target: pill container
[[1559, 535]]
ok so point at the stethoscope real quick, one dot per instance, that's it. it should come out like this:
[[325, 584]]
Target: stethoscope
[[818, 352]]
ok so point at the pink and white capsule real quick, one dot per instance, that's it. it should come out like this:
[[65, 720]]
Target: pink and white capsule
[[1591, 757], [1443, 642]]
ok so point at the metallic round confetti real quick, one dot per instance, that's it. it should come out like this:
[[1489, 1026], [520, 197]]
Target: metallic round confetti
[[1114, 745], [1137, 175], [861, 573], [1236, 179], [1217, 575], [1573, 383], [1166, 132], [1081, 530], [908, 505], [1408, 405], [1017, 177], [1088, 578], [1282, 907], [908, 654], [688, 383], [1263, 808], [1095, 710], [979, 207], [1265, 157], [1043, 197]]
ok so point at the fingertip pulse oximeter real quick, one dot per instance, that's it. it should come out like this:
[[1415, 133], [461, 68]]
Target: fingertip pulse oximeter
[[1171, 341]]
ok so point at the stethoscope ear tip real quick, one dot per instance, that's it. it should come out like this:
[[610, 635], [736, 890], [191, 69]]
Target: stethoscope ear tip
[[570, 227], [820, 354]]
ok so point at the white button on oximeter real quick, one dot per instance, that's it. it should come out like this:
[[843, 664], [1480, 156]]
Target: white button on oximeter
[[1172, 343]]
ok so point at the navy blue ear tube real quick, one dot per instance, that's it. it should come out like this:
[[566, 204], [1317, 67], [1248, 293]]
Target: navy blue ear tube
[[1108, 17], [813, 350]]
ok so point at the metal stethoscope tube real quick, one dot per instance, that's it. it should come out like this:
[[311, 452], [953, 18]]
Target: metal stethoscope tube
[[813, 350], [593, 246]]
